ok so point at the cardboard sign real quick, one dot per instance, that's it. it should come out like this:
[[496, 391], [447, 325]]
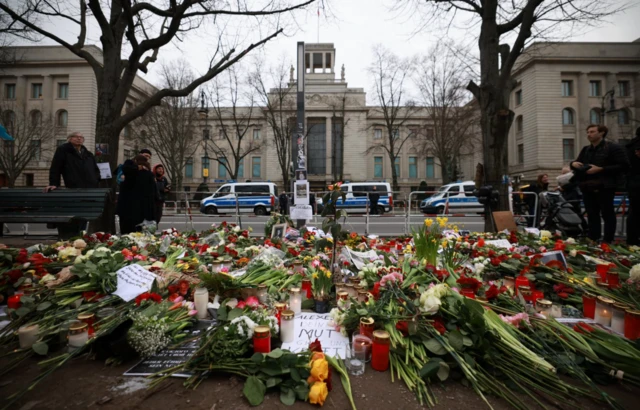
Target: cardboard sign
[[301, 212], [168, 358], [105, 170], [504, 220], [309, 326], [499, 243], [133, 280]]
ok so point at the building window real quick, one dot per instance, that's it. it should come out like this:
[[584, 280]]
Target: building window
[[60, 142], [568, 149], [430, 133], [594, 116], [188, 168], [377, 167], [127, 154], [623, 117], [431, 167], [519, 97], [241, 169], [221, 133], [256, 166], [414, 131], [397, 166], [256, 133], [624, 88], [10, 91], [36, 118], [63, 91], [396, 133], [567, 116], [222, 171], [594, 88], [28, 180], [36, 90], [519, 125], [413, 167], [520, 153], [127, 131], [205, 134], [35, 150], [9, 119], [377, 133], [62, 118], [567, 88]]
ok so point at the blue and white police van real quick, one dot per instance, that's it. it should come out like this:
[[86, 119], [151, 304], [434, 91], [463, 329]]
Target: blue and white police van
[[356, 198], [459, 195], [253, 197]]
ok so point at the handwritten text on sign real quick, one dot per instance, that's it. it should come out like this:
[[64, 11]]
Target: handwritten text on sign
[[309, 326], [133, 280]]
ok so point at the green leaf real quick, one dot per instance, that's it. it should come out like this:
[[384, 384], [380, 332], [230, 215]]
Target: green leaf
[[235, 312], [295, 375], [40, 348], [456, 340], [435, 347], [474, 306], [257, 358], [466, 340], [275, 354], [287, 396], [21, 311], [43, 306], [254, 390], [430, 368], [273, 382], [302, 391], [443, 372], [362, 312]]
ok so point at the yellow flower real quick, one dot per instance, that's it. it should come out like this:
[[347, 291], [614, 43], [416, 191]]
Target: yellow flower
[[318, 393], [328, 274], [320, 370], [314, 275], [455, 228], [428, 222], [445, 244], [433, 241]]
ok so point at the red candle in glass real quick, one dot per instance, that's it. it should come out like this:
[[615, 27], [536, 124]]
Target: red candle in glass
[[613, 280], [468, 293], [89, 319], [261, 339], [280, 307], [521, 280], [589, 305], [306, 288], [632, 324], [535, 295], [380, 351], [602, 271], [13, 302], [366, 326]]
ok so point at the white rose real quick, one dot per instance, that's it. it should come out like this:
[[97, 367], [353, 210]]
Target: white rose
[[573, 252], [545, 234], [79, 244], [438, 291], [430, 305], [236, 228], [232, 303], [479, 267], [570, 241], [634, 273]]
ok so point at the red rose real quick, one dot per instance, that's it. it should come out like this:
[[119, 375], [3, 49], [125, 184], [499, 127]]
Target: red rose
[[438, 324], [495, 261], [492, 292], [516, 256], [376, 290], [563, 295], [23, 256], [480, 242], [403, 327], [315, 346]]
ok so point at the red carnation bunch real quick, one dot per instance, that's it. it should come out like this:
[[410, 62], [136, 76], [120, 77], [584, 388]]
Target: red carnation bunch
[[469, 283], [154, 297]]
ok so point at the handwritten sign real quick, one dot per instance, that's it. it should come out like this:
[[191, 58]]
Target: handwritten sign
[[133, 280], [105, 170], [301, 212], [359, 259], [309, 326], [500, 243]]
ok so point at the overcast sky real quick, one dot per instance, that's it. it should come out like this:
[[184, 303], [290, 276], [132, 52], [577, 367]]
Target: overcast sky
[[355, 26]]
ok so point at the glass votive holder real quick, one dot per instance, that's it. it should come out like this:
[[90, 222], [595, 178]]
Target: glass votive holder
[[617, 318], [589, 305], [604, 311]]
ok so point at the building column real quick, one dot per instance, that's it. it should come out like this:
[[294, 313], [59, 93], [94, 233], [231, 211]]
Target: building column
[[21, 89], [48, 93], [583, 109], [328, 141]]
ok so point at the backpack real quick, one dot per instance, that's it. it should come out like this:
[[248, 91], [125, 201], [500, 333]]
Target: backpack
[[119, 174]]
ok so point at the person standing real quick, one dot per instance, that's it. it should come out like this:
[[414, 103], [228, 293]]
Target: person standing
[[283, 201], [374, 197], [138, 193], [598, 168], [633, 190], [541, 185], [163, 189], [79, 169]]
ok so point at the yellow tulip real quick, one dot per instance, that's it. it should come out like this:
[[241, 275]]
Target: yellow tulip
[[318, 393], [328, 274], [314, 275], [428, 222], [320, 369]]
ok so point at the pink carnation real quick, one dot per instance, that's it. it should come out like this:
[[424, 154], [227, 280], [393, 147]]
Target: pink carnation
[[252, 302], [391, 277], [241, 304]]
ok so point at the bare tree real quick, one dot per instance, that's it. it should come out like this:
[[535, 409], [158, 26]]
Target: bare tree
[[339, 121], [33, 137], [442, 82], [171, 129], [505, 28], [390, 75], [234, 114], [279, 105], [132, 33]]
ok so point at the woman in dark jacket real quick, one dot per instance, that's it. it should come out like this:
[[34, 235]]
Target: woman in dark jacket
[[541, 185], [136, 201]]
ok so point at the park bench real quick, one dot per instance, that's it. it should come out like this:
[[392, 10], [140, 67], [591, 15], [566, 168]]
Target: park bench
[[22, 205]]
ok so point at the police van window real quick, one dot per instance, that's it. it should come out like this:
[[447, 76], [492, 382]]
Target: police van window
[[223, 191], [244, 190], [260, 189], [468, 190], [381, 189], [344, 188], [359, 190]]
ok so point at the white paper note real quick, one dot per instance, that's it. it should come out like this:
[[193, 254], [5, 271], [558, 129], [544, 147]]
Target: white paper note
[[133, 280]]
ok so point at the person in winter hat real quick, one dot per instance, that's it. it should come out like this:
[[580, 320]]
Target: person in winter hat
[[163, 189]]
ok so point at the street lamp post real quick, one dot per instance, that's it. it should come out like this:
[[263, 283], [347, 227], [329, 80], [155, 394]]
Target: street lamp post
[[203, 112]]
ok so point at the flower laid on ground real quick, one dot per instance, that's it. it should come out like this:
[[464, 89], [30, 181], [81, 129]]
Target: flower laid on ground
[[148, 334], [319, 377], [634, 273]]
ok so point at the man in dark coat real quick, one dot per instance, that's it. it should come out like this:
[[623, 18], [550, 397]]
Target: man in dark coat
[[598, 168], [633, 190], [138, 193], [163, 189], [374, 197], [75, 164], [79, 169]]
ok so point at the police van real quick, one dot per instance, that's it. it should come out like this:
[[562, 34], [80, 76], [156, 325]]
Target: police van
[[356, 198], [459, 195], [256, 197]]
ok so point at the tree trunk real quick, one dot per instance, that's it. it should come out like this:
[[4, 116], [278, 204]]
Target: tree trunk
[[444, 170], [107, 133]]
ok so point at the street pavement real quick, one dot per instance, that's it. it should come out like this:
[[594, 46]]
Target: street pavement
[[386, 225]]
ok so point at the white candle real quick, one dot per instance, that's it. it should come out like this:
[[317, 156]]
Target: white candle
[[28, 335], [78, 335], [201, 299], [604, 311], [295, 301], [287, 326], [262, 293], [617, 319], [556, 310]]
